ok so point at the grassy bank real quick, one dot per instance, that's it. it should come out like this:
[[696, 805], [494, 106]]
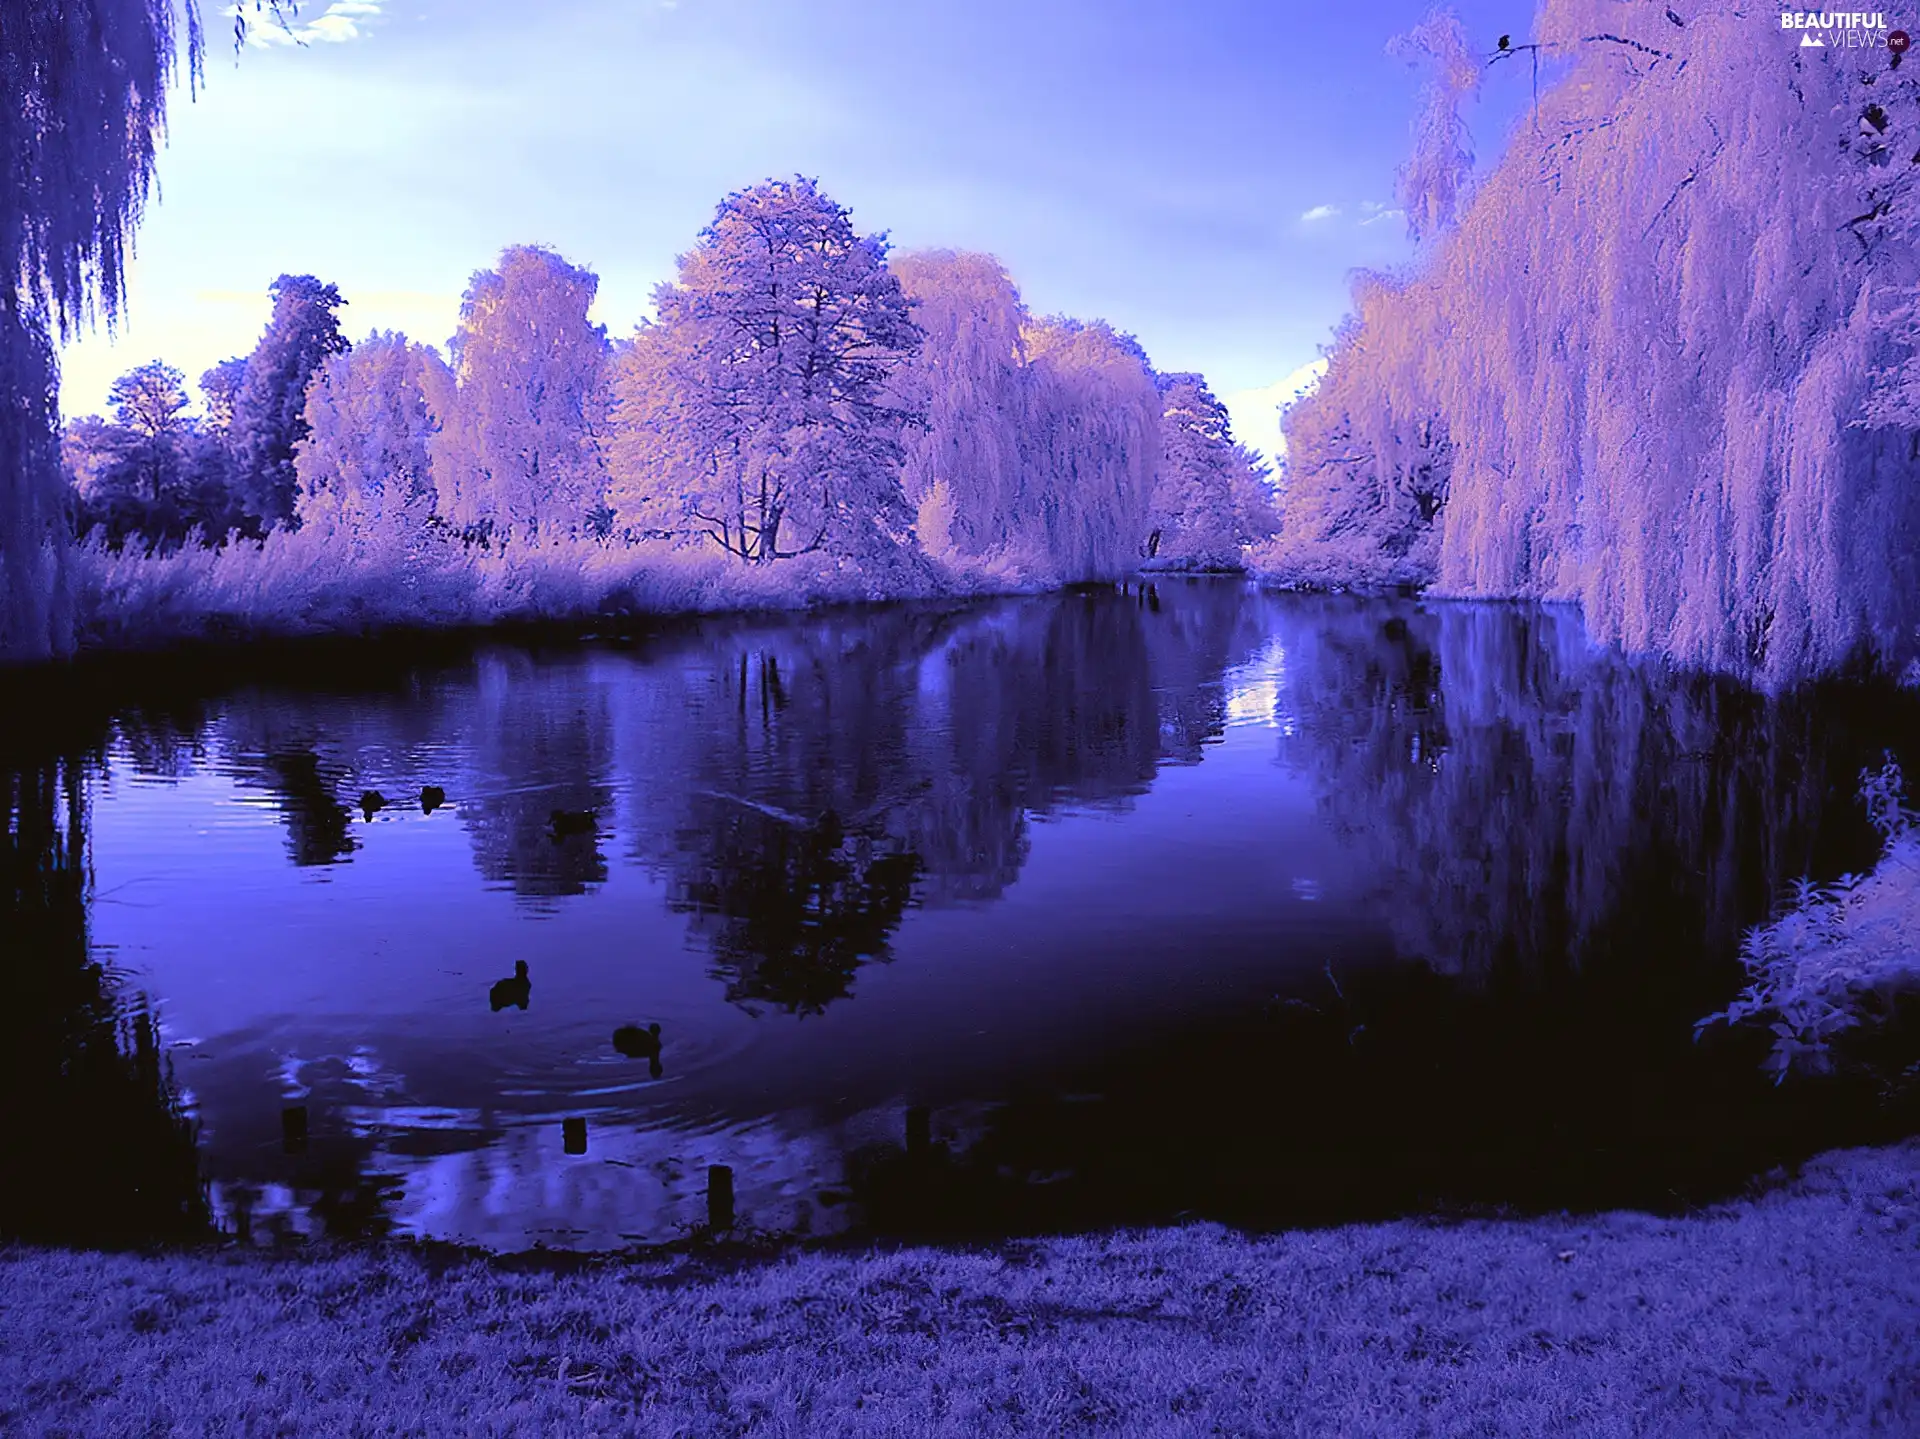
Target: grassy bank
[[1797, 1312], [314, 583]]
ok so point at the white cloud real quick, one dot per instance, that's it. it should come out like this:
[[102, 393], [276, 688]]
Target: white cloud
[[1256, 413], [341, 22], [1367, 212]]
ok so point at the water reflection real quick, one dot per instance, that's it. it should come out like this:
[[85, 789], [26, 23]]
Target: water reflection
[[96, 1144], [791, 908], [841, 778], [1532, 802], [1181, 898], [319, 825], [543, 763]]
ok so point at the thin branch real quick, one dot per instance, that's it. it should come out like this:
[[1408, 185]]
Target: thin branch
[[1691, 176], [1632, 45]]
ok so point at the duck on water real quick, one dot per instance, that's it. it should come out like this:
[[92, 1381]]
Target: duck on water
[[515, 992], [372, 801], [637, 1043], [562, 823]]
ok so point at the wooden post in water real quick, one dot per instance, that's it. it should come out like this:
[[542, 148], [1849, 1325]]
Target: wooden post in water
[[574, 1135], [719, 1196], [919, 1131], [293, 1129]]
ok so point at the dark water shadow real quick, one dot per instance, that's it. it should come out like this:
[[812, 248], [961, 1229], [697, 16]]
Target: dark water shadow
[[1571, 847], [96, 1145]]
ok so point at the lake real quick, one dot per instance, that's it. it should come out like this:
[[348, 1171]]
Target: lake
[[1176, 900]]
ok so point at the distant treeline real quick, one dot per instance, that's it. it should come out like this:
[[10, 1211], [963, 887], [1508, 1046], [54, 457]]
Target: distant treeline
[[798, 391]]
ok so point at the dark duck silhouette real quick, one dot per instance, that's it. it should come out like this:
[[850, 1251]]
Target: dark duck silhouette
[[637, 1043], [516, 991], [371, 803], [564, 822], [431, 798]]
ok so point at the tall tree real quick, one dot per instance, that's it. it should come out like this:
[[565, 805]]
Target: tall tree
[[366, 461], [963, 466], [1092, 442], [269, 411], [220, 389], [519, 448], [1191, 517], [1256, 510], [85, 85], [148, 402], [650, 468], [1433, 183], [763, 401]]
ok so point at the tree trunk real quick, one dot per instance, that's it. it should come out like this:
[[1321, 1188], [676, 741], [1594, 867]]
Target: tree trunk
[[36, 617]]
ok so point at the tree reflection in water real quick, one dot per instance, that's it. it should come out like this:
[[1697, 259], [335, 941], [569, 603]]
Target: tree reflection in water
[[97, 1145], [839, 773], [319, 824], [536, 752], [1535, 803], [792, 909], [1565, 849], [1560, 849]]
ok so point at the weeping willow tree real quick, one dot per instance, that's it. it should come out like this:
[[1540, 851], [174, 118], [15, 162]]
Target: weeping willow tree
[[964, 463], [1092, 443], [85, 83], [1663, 362]]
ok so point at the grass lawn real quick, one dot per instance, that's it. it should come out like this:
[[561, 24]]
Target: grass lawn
[[1797, 1312]]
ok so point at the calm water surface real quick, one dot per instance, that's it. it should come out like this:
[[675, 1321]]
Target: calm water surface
[[1186, 901]]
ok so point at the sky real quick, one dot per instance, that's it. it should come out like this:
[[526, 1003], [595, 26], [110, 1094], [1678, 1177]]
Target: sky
[[1205, 176]]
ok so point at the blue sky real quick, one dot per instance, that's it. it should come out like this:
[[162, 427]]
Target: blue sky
[[1204, 175]]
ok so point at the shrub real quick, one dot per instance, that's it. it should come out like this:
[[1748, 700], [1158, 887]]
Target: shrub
[[1841, 952]]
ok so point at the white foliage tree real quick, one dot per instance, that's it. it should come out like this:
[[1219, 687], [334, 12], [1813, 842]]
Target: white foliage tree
[[651, 468], [1663, 365], [366, 465], [1040, 439], [518, 453], [1191, 519], [1433, 182], [758, 409], [1256, 511], [1092, 445], [963, 466], [1368, 461]]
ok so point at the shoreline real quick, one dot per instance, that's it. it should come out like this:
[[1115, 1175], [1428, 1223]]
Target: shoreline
[[1795, 1309], [40, 700], [225, 651], [95, 682], [99, 678]]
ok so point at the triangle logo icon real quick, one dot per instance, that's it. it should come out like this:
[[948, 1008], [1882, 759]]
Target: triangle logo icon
[[1807, 42]]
